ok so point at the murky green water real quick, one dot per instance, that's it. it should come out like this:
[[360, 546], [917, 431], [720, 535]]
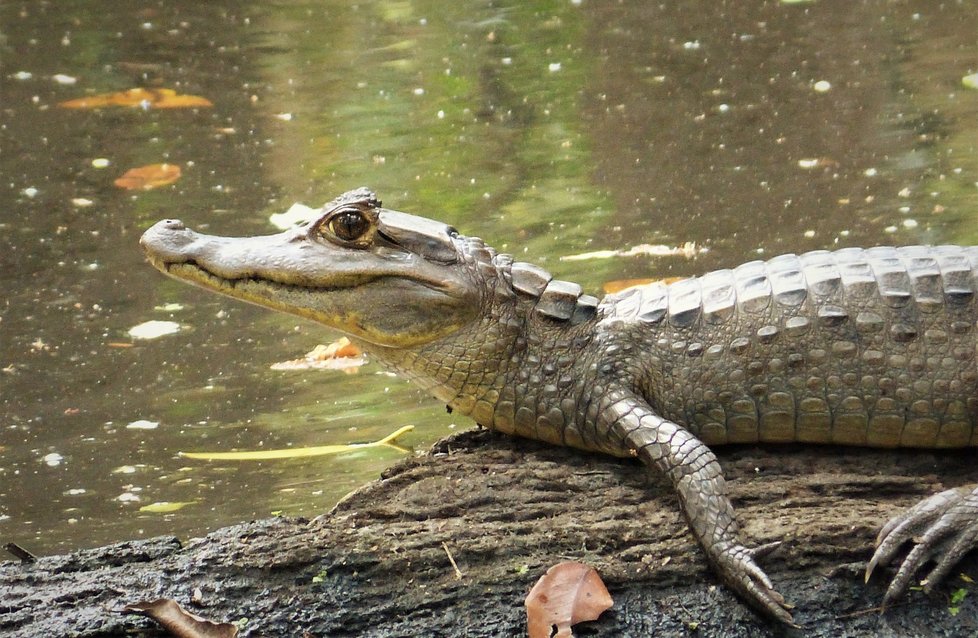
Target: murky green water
[[549, 128]]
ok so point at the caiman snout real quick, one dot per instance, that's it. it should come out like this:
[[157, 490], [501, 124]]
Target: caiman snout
[[167, 240]]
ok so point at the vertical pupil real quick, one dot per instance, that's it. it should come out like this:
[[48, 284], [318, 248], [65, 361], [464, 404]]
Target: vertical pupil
[[349, 225]]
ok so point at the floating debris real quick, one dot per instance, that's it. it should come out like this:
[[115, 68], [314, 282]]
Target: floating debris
[[299, 452], [688, 250], [138, 97], [154, 329], [149, 177], [296, 214], [143, 424], [339, 355], [165, 507], [53, 459]]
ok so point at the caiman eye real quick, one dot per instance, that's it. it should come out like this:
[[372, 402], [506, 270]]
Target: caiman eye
[[349, 225]]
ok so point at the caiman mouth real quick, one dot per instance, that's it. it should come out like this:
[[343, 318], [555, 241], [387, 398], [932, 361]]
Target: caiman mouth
[[193, 272]]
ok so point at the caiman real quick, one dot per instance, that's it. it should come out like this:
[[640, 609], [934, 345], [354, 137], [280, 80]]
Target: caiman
[[864, 347]]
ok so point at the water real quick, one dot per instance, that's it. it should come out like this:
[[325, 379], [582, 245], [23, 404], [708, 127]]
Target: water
[[549, 128]]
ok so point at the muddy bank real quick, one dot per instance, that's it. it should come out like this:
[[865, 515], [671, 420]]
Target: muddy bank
[[378, 564]]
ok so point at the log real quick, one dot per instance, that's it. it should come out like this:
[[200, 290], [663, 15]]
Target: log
[[505, 510]]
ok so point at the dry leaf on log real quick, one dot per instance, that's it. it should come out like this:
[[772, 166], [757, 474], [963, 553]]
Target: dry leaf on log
[[567, 594], [179, 622]]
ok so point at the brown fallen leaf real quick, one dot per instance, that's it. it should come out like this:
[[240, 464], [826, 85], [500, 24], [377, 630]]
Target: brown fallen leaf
[[567, 594], [618, 285], [179, 622], [149, 177], [339, 355], [139, 97]]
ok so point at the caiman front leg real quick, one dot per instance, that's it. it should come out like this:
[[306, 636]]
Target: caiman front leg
[[943, 527], [698, 479]]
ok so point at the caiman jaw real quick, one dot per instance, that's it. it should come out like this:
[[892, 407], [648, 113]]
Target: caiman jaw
[[387, 278]]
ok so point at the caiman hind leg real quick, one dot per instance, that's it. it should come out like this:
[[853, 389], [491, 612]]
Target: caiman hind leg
[[698, 479], [942, 527]]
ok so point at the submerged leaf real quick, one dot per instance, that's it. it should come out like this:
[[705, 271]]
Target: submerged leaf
[[567, 594], [179, 622], [139, 97], [165, 507], [622, 284], [149, 177], [299, 452]]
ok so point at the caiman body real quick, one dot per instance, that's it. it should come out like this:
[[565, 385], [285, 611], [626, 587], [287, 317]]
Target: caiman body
[[861, 347]]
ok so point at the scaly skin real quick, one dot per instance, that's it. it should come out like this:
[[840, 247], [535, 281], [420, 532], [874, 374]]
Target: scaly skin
[[858, 347]]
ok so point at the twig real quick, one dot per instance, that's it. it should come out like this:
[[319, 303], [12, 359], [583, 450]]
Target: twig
[[451, 559], [21, 553]]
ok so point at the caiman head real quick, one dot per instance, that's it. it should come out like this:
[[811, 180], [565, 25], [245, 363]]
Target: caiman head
[[381, 276]]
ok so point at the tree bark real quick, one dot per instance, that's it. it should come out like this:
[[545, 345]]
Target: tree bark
[[505, 510]]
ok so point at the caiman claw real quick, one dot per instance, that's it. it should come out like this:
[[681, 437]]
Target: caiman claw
[[736, 565], [943, 527]]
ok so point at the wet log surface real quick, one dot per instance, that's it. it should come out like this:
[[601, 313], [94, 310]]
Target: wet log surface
[[505, 509]]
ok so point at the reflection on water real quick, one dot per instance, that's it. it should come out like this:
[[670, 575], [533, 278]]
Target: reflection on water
[[549, 128]]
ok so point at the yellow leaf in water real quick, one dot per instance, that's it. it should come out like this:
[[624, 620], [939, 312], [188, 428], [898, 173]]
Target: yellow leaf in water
[[299, 452], [149, 177], [139, 97], [339, 355], [165, 507], [621, 284]]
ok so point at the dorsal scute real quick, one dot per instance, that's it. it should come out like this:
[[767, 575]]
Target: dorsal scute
[[719, 296], [957, 273], [822, 274], [529, 279], [890, 273], [787, 280], [556, 299], [559, 299], [477, 249], [685, 302]]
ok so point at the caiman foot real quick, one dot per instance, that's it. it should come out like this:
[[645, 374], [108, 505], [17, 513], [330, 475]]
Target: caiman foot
[[736, 565], [943, 527]]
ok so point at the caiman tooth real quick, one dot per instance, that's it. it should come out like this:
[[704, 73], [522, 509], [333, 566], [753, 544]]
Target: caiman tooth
[[559, 299], [529, 279]]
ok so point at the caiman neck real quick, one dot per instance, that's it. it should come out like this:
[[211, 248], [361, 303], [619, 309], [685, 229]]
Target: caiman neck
[[509, 355]]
